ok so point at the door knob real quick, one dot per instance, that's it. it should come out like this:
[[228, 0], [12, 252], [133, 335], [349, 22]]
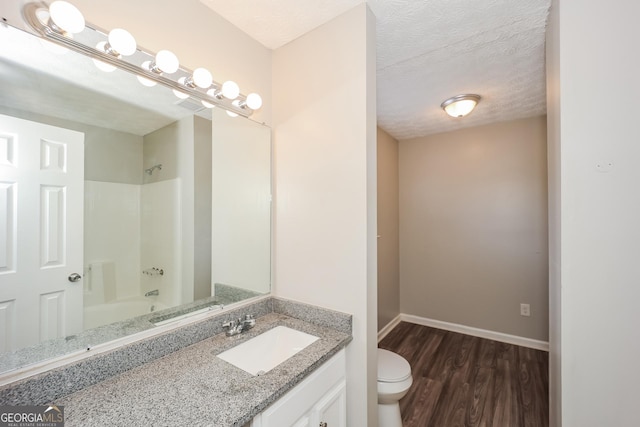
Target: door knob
[[74, 277], [323, 424]]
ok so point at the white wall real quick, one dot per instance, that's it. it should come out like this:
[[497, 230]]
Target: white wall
[[325, 159], [553, 179], [596, 75], [473, 227], [388, 230]]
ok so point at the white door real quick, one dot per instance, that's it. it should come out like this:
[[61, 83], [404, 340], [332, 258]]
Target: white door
[[41, 223]]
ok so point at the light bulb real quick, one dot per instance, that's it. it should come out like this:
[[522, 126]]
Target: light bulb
[[210, 92], [460, 108], [179, 94], [231, 114], [230, 89], [146, 82], [66, 16], [103, 66], [254, 101], [202, 78], [122, 42], [167, 62]]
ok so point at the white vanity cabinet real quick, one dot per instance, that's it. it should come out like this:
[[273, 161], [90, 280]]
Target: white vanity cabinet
[[318, 401]]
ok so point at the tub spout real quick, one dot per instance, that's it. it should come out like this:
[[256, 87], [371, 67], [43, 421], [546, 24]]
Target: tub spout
[[153, 293]]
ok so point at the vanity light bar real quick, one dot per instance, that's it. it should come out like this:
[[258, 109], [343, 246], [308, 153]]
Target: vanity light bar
[[36, 14]]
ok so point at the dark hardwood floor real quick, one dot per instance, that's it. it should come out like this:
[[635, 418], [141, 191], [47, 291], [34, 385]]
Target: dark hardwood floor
[[460, 380]]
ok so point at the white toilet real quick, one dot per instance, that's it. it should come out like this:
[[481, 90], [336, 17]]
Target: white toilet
[[394, 380]]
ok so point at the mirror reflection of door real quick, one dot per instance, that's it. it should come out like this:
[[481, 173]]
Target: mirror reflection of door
[[41, 244]]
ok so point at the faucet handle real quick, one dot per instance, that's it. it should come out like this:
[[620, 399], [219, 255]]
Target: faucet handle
[[249, 321], [230, 324]]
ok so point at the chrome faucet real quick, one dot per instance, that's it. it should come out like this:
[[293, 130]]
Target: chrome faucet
[[239, 325], [153, 293]]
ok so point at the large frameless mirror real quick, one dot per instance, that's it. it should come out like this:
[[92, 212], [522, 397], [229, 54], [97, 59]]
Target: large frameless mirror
[[121, 206]]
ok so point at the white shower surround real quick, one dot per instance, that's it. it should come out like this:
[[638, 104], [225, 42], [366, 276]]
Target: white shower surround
[[112, 235], [132, 227]]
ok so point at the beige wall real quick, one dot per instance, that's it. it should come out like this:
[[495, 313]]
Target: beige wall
[[473, 227], [388, 238], [162, 147], [596, 240], [325, 153]]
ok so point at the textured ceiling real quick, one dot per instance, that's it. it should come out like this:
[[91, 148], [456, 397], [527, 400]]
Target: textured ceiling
[[428, 50]]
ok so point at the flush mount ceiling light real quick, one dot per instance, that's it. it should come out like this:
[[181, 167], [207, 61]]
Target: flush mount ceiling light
[[62, 24], [460, 105]]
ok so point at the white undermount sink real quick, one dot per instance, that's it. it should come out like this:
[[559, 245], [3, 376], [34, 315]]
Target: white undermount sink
[[267, 350]]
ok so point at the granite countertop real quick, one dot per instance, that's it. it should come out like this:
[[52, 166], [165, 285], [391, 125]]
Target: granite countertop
[[193, 387]]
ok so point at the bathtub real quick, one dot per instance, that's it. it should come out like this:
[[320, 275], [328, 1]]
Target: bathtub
[[119, 310]]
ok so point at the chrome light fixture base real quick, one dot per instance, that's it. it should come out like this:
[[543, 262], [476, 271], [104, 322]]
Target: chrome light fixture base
[[460, 105]]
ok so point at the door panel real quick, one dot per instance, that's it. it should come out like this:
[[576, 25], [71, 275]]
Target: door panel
[[52, 315], [41, 221], [52, 221], [303, 422], [331, 410], [8, 209]]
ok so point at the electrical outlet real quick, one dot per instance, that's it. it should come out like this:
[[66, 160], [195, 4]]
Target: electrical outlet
[[525, 310]]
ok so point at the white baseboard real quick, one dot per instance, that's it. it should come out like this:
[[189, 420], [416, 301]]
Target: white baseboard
[[388, 327], [475, 332]]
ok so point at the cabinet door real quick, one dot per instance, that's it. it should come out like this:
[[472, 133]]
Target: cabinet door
[[305, 421], [331, 409], [321, 394]]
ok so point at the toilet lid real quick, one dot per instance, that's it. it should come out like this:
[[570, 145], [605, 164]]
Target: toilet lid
[[392, 367]]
